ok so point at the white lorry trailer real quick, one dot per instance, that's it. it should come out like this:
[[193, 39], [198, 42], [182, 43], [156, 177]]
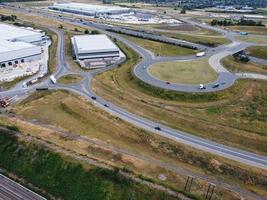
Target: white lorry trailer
[[53, 79], [201, 54]]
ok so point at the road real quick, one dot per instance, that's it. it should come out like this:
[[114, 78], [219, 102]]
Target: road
[[10, 190], [84, 88]]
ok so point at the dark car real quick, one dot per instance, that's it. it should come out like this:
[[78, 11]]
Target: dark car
[[168, 83], [94, 98], [106, 105], [158, 128], [216, 85]]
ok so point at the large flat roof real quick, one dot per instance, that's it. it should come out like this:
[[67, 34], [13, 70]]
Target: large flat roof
[[9, 32], [94, 43], [7, 46], [88, 7]]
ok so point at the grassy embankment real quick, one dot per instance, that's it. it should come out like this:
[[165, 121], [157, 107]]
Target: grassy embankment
[[143, 152], [160, 48], [227, 115], [187, 72], [258, 40], [257, 51], [212, 41], [70, 78], [183, 29], [10, 84], [236, 66], [67, 179], [261, 30]]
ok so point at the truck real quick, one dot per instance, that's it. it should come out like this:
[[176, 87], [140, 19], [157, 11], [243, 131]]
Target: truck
[[201, 54], [53, 79]]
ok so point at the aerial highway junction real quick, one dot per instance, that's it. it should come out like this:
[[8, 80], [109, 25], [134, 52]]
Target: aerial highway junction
[[84, 89]]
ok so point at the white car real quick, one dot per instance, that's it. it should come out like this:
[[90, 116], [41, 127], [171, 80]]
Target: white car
[[202, 87], [24, 85]]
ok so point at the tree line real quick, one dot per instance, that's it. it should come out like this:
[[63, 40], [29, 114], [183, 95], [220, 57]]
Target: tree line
[[241, 22], [8, 18]]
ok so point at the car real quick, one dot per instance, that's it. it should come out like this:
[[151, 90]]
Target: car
[[24, 84], [216, 85], [158, 128], [93, 97], [106, 105], [201, 87], [168, 83]]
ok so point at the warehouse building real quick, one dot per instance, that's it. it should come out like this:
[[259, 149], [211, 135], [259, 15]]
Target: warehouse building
[[87, 9], [11, 33], [18, 45], [94, 47], [17, 52]]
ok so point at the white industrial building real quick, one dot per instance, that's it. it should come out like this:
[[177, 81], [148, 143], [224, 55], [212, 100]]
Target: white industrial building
[[88, 9], [94, 47], [9, 32], [18, 45]]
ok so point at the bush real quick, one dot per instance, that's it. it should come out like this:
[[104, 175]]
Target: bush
[[95, 32]]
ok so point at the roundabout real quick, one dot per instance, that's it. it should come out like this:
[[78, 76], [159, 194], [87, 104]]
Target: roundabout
[[184, 72]]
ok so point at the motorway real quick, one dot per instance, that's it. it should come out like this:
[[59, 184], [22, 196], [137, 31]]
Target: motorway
[[84, 88], [10, 190]]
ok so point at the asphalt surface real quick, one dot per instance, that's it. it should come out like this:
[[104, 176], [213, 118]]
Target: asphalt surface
[[10, 190], [83, 88]]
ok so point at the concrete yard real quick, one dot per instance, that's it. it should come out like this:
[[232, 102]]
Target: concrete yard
[[28, 68]]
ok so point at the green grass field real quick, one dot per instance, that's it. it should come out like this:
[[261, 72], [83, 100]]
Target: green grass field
[[161, 49], [187, 72], [236, 66], [261, 30], [207, 40], [257, 51], [248, 38]]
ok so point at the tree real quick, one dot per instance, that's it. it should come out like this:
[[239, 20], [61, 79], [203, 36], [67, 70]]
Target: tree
[[214, 22], [244, 58], [183, 11], [86, 31], [76, 30], [94, 32], [60, 26]]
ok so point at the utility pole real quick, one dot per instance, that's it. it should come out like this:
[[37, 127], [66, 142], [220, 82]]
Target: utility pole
[[188, 184], [210, 191]]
